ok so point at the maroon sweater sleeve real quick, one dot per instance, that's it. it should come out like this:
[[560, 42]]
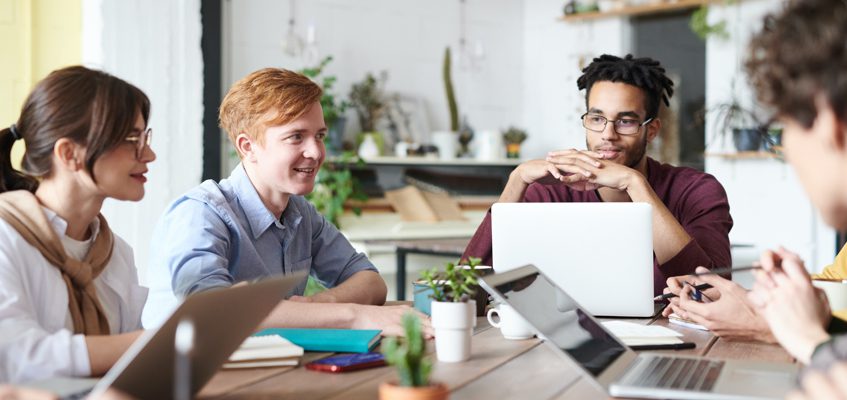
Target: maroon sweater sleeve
[[480, 244], [702, 209]]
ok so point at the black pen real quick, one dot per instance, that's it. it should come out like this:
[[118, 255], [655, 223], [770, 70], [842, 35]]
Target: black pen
[[716, 271], [672, 346], [699, 287], [721, 271]]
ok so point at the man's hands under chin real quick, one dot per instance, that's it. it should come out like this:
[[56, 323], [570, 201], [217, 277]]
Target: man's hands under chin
[[573, 168], [593, 174]]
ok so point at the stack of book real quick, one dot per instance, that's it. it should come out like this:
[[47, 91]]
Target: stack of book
[[265, 351]]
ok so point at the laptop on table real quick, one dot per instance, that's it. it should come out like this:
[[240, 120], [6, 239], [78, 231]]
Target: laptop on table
[[615, 368], [222, 319], [582, 247]]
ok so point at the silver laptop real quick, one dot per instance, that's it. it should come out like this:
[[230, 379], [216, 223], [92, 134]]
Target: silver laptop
[[222, 319], [615, 368], [583, 247]]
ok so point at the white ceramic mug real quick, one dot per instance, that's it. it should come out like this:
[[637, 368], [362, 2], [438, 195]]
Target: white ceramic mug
[[511, 324], [836, 293]]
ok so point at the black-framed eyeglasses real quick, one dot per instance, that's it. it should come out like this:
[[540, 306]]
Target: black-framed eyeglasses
[[622, 126], [141, 141]]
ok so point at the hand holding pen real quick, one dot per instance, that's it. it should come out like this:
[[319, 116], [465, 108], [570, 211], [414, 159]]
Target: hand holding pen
[[726, 313], [704, 286]]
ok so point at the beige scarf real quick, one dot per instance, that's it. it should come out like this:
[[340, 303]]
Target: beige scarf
[[23, 212]]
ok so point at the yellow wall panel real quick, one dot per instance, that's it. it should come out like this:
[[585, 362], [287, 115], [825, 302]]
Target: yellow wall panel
[[36, 37]]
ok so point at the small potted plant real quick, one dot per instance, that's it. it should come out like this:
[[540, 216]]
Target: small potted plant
[[453, 308], [747, 133], [368, 99], [513, 137], [408, 356]]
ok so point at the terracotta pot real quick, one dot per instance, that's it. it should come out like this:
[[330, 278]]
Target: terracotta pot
[[390, 391]]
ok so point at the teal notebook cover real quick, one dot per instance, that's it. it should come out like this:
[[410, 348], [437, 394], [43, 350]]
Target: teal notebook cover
[[332, 340]]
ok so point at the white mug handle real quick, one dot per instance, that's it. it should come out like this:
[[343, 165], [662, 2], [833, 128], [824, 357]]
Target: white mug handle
[[491, 320]]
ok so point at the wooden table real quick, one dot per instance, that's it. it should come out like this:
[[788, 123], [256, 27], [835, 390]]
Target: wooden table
[[498, 369]]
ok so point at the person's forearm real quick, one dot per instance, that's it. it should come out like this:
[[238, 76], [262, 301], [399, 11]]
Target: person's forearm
[[364, 287], [514, 190], [104, 351], [668, 235], [292, 314]]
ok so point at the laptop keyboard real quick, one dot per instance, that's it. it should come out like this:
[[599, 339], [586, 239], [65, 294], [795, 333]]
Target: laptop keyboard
[[688, 374]]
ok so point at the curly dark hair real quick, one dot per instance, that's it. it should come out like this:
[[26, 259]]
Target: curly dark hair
[[801, 53], [645, 73]]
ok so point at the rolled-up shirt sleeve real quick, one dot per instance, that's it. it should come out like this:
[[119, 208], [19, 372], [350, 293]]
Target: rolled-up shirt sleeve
[[334, 259], [27, 351], [480, 245], [193, 242], [706, 219]]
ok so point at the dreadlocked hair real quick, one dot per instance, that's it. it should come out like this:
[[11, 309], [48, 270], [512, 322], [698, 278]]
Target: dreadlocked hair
[[644, 73]]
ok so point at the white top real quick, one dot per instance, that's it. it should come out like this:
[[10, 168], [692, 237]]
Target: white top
[[36, 331]]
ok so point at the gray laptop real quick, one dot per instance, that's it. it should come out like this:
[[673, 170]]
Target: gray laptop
[[615, 368], [222, 319], [582, 247]]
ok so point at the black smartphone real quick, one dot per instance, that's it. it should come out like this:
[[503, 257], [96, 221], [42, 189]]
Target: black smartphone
[[347, 362]]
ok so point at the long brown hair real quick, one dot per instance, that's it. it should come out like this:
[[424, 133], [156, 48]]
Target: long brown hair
[[89, 107]]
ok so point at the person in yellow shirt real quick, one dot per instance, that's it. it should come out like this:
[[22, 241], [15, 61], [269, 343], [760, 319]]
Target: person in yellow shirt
[[836, 271]]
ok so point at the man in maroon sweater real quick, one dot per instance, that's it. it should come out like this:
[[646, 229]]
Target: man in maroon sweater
[[691, 220]]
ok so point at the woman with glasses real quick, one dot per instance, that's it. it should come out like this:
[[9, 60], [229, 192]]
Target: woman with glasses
[[70, 302]]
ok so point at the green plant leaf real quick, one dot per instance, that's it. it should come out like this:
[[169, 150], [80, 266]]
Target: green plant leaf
[[408, 355]]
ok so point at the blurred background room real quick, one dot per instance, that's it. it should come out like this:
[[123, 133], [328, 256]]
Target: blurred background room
[[430, 104]]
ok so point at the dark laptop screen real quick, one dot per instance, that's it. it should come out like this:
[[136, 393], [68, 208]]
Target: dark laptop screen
[[557, 316]]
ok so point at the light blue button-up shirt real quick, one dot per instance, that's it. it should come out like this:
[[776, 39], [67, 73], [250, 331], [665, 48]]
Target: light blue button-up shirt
[[219, 234]]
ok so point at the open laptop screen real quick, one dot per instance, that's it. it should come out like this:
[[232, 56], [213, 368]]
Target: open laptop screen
[[561, 321]]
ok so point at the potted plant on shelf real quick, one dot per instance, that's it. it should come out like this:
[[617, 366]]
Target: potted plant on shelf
[[334, 185], [333, 108], [747, 131], [408, 356], [453, 308], [447, 141], [368, 99], [513, 137]]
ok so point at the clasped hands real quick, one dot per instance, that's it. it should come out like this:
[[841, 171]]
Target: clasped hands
[[578, 169]]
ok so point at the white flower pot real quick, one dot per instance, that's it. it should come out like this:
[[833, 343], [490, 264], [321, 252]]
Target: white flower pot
[[453, 324]]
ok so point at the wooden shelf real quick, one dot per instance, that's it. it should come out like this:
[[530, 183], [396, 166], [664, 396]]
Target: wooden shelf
[[644, 9], [746, 155], [427, 161], [466, 202]]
